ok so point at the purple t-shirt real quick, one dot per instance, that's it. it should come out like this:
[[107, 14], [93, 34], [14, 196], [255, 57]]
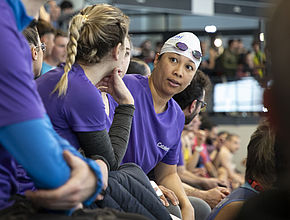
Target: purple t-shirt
[[154, 137], [80, 110], [19, 100]]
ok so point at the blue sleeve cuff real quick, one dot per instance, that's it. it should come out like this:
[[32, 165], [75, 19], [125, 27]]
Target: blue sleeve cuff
[[94, 166]]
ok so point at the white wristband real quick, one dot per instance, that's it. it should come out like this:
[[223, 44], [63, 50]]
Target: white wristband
[[156, 188], [198, 149]]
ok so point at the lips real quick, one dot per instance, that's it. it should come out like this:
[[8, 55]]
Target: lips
[[174, 83]]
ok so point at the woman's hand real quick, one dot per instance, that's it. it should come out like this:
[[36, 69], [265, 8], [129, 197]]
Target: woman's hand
[[114, 85]]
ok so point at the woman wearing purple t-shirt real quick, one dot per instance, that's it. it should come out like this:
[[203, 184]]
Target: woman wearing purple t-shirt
[[96, 53], [28, 142], [158, 120], [97, 56]]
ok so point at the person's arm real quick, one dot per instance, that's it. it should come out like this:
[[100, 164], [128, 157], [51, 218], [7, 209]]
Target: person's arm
[[109, 147], [212, 196], [211, 169], [194, 180], [193, 159], [24, 130], [213, 155], [36, 146], [167, 176]]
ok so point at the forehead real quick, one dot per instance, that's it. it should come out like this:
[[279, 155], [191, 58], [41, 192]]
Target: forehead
[[61, 39], [235, 138], [127, 44]]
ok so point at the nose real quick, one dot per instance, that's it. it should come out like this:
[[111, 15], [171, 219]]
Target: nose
[[178, 71]]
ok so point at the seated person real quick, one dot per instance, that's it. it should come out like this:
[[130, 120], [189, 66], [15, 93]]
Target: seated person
[[260, 173], [158, 120], [224, 159], [138, 66], [73, 102], [46, 34], [211, 132], [203, 160], [58, 53], [72, 96], [56, 169], [274, 204], [218, 143], [37, 49], [189, 101]]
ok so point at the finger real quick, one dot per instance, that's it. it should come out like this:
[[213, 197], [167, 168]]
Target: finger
[[100, 197], [172, 197], [223, 196], [164, 200], [225, 191], [103, 89], [100, 84], [72, 160]]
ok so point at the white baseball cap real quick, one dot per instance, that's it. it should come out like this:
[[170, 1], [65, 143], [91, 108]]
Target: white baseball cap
[[186, 44]]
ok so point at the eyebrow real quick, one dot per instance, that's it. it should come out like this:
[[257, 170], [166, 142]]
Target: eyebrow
[[184, 56]]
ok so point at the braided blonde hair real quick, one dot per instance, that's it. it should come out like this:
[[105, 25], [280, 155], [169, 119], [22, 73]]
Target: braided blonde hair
[[92, 34]]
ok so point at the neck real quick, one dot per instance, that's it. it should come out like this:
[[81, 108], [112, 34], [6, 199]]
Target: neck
[[97, 71], [49, 60], [159, 100], [106, 103], [32, 6], [227, 148]]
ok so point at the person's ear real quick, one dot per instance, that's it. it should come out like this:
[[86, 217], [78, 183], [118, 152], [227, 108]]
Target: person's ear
[[116, 51], [156, 59], [34, 53], [192, 106]]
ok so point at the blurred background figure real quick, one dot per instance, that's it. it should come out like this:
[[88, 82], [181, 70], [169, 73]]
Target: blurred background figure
[[138, 66], [54, 11], [37, 49], [260, 173], [59, 51], [46, 34]]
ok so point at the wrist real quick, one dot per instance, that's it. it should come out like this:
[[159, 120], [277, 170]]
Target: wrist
[[186, 206], [129, 101]]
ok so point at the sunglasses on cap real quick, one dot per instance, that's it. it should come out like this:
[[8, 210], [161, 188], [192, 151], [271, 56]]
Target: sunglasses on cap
[[202, 106], [182, 46]]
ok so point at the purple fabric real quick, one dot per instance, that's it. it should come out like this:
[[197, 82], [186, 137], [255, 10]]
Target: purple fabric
[[13, 179], [19, 100], [80, 110], [154, 137]]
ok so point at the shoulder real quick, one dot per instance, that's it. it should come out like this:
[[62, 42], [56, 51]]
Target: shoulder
[[230, 211], [178, 112], [134, 80]]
